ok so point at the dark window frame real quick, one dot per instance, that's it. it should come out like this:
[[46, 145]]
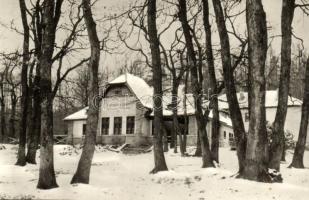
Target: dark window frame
[[104, 125], [117, 125], [84, 129], [130, 125]]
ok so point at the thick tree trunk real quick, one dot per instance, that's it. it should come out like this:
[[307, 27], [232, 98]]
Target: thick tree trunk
[[175, 117], [21, 157], [197, 86], [257, 144], [50, 19], [283, 153], [35, 124], [159, 159], [277, 144], [165, 142], [298, 157], [186, 125], [237, 121], [185, 131], [198, 150], [83, 170], [212, 83]]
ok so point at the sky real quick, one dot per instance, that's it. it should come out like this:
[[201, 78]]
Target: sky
[[10, 41]]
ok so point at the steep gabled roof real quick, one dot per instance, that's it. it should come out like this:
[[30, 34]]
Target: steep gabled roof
[[138, 86], [79, 115], [271, 100]]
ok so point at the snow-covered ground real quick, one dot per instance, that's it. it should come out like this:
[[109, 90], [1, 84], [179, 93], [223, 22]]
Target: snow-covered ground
[[117, 176]]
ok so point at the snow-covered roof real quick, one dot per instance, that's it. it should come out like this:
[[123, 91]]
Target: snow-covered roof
[[271, 100], [138, 86], [79, 115], [223, 118]]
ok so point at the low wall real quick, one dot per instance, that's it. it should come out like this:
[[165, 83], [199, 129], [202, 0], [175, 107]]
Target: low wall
[[139, 140], [112, 139], [128, 139]]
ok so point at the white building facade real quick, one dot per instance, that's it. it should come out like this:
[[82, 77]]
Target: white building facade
[[125, 115]]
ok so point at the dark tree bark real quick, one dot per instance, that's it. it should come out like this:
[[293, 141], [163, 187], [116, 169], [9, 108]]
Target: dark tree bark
[[212, 84], [159, 159], [21, 156], [237, 121], [176, 127], [165, 143], [277, 144], [3, 131], [84, 165], [35, 119], [12, 121], [196, 86], [34, 126], [51, 11], [186, 125], [298, 157], [198, 150], [257, 144], [177, 75]]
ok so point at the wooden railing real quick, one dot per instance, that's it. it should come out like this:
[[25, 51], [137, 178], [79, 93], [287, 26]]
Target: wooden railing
[[60, 139]]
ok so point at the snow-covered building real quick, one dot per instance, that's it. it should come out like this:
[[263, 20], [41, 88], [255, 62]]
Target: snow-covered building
[[125, 115], [293, 116]]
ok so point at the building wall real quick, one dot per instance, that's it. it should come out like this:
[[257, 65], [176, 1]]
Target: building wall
[[192, 131], [225, 132], [70, 131], [292, 121], [75, 131], [78, 128], [120, 102]]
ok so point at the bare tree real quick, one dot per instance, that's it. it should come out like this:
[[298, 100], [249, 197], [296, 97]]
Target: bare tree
[[81, 87], [298, 157], [11, 64], [51, 12], [72, 43], [257, 143], [196, 85], [21, 160], [277, 142], [237, 121], [159, 159], [212, 84], [3, 128], [83, 170]]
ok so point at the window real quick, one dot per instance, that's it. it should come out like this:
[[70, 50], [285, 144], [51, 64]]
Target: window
[[105, 126], [84, 129], [130, 125], [117, 125], [246, 117], [224, 135], [231, 135]]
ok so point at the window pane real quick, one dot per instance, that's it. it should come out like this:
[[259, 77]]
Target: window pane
[[84, 129], [117, 125], [130, 125], [105, 126]]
